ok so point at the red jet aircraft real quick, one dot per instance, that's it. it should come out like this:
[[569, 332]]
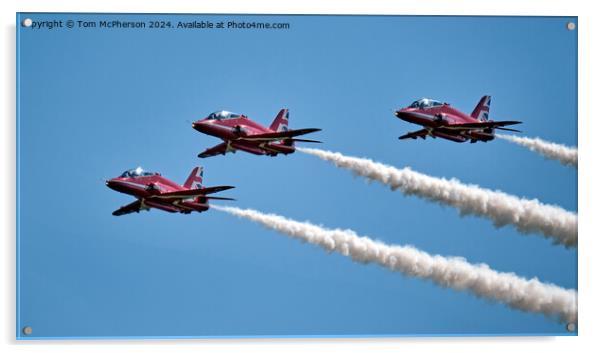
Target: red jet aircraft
[[241, 133], [442, 120], [154, 191]]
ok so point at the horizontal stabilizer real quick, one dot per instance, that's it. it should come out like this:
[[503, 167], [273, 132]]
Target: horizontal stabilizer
[[219, 198], [507, 129], [304, 140]]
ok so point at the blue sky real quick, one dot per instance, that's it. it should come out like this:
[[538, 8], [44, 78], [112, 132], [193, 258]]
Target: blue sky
[[94, 102]]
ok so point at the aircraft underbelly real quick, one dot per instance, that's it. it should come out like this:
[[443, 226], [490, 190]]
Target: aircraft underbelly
[[448, 136], [479, 135], [161, 205], [194, 206], [255, 149], [278, 148]]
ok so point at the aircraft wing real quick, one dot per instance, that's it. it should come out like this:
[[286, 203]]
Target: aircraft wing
[[135, 206], [185, 194], [275, 136], [214, 189], [222, 148], [413, 135], [480, 125]]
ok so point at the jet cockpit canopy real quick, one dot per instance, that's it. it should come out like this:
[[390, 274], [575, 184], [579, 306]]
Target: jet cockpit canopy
[[136, 172], [425, 103], [223, 115]]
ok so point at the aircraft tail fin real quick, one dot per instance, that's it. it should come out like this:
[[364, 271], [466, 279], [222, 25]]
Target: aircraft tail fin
[[195, 179], [481, 111], [280, 123]]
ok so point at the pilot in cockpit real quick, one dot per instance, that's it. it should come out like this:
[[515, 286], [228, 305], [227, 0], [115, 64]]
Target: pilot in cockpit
[[223, 115], [425, 103], [137, 172]]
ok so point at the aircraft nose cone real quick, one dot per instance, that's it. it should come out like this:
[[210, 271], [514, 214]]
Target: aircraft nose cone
[[200, 126], [403, 115], [110, 183]]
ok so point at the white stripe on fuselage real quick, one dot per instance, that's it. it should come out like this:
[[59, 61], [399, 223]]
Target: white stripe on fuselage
[[421, 115], [222, 127], [131, 183]]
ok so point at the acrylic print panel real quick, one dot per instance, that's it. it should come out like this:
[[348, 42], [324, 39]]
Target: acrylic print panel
[[462, 227]]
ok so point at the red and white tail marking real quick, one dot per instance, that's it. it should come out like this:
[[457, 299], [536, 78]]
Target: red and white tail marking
[[481, 111], [280, 123], [195, 179]]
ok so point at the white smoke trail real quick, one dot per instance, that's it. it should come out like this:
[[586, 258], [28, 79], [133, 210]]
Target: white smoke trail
[[564, 154], [517, 292], [528, 216]]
